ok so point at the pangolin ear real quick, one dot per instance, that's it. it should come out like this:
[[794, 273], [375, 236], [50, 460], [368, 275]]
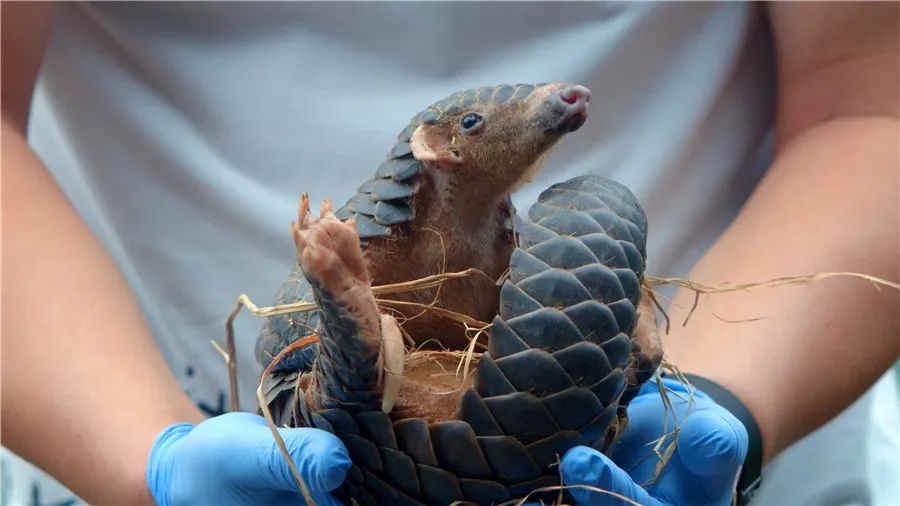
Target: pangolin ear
[[430, 144]]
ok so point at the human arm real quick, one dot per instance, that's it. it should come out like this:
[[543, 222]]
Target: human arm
[[828, 203], [85, 390]]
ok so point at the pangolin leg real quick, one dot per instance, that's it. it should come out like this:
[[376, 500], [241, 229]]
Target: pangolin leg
[[348, 367]]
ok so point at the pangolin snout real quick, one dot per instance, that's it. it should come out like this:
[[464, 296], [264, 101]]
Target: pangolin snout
[[572, 102], [575, 94]]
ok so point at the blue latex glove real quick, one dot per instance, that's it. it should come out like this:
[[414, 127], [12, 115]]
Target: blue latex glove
[[712, 444], [233, 459]]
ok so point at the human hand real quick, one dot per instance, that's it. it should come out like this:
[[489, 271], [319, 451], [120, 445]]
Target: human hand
[[233, 459], [711, 447]]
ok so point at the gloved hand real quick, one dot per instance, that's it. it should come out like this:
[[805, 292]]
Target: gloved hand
[[233, 459], [712, 444]]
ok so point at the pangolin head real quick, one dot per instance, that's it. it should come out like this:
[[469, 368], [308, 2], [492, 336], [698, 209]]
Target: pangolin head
[[498, 135]]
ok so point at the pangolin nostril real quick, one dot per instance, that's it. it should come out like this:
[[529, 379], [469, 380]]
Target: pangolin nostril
[[574, 94]]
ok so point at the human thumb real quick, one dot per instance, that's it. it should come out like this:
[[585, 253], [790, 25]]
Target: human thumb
[[594, 479], [320, 457]]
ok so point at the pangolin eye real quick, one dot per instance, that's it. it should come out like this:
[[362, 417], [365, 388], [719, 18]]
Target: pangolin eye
[[471, 123]]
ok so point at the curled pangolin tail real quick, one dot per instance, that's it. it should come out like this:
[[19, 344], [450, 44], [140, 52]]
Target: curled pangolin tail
[[562, 349]]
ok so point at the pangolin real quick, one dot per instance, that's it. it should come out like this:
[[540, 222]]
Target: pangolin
[[563, 359]]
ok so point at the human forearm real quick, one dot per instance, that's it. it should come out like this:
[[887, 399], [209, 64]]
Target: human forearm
[[85, 390], [829, 203]]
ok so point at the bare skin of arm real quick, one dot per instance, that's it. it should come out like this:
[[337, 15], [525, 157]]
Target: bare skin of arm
[[85, 389], [828, 203]]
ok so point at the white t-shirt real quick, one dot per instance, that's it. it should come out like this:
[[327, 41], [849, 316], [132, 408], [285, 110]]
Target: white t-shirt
[[184, 133]]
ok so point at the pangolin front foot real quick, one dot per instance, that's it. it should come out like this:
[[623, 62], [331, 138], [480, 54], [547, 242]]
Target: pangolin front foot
[[330, 257], [349, 365]]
